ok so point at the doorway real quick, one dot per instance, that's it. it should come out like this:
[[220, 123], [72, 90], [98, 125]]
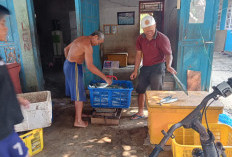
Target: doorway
[[56, 28], [155, 9]]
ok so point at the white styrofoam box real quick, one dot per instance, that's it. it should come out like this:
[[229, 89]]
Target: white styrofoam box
[[39, 114], [111, 65]]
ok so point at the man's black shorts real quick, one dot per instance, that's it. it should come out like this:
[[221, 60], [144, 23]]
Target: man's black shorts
[[151, 75]]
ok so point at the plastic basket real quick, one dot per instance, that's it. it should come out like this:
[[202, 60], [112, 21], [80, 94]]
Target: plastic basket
[[187, 139], [224, 118], [33, 141], [111, 98]]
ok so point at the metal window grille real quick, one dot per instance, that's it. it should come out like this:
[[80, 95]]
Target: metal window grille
[[229, 17]]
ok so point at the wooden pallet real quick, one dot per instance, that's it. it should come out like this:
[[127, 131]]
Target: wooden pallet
[[106, 117]]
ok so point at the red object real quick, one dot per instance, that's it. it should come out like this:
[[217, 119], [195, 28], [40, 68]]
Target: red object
[[154, 51], [111, 76], [14, 69]]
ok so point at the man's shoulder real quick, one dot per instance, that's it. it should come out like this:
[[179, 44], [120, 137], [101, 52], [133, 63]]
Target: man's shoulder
[[161, 35], [141, 36], [82, 41]]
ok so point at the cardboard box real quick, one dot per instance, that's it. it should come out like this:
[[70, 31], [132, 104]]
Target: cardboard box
[[121, 57]]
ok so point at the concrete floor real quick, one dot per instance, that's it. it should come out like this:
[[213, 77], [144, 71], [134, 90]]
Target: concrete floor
[[221, 71], [129, 139]]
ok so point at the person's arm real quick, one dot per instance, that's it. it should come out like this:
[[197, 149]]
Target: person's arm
[[137, 58], [66, 50], [23, 102], [92, 67], [165, 47], [169, 63], [137, 64]]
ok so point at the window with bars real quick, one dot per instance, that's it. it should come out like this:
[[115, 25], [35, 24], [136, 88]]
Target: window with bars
[[229, 18], [219, 15], [151, 6]]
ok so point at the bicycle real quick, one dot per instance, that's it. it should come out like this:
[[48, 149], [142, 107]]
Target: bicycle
[[194, 121]]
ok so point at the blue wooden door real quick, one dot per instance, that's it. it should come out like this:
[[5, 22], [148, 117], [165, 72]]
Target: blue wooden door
[[197, 27], [228, 44], [35, 45], [87, 12], [10, 50]]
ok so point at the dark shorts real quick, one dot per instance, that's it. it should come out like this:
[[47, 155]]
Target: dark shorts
[[151, 75], [74, 83], [13, 146]]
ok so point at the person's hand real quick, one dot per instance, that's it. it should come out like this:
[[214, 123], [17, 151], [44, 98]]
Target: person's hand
[[108, 81], [133, 75], [171, 70], [23, 102]]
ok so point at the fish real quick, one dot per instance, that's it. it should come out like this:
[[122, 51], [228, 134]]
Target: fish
[[102, 85], [105, 85], [168, 99], [99, 85], [115, 87]]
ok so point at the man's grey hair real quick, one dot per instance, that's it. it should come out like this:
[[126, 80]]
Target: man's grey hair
[[99, 34], [3, 11]]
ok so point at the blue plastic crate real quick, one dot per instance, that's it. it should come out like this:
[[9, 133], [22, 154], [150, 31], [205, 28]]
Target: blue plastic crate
[[111, 98], [224, 118]]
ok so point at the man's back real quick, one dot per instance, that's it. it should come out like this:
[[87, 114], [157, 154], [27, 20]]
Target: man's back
[[76, 50]]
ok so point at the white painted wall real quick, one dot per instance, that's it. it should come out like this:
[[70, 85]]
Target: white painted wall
[[125, 39], [26, 45]]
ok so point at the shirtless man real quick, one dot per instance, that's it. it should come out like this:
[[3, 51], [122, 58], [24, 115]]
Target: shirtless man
[[76, 53]]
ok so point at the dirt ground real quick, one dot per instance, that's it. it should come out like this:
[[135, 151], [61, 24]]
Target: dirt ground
[[128, 139]]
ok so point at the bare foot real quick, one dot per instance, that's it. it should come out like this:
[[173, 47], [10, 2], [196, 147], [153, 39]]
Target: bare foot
[[81, 124]]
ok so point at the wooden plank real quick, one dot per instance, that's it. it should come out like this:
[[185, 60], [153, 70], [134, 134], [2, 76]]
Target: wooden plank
[[107, 120], [97, 120], [108, 114], [106, 110], [194, 80], [104, 121], [191, 101], [112, 121]]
